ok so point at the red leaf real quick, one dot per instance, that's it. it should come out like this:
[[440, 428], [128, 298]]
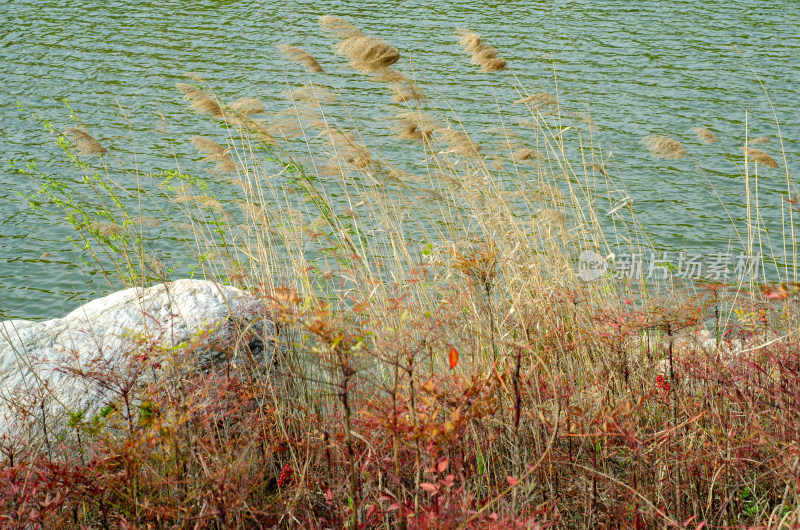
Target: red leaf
[[443, 465], [453, 357], [427, 486], [511, 480]]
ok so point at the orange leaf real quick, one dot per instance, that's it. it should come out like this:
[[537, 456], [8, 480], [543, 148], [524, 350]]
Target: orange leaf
[[511, 481], [453, 357], [427, 486], [443, 465]]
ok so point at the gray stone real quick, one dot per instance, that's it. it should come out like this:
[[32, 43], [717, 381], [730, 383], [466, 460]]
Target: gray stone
[[44, 365]]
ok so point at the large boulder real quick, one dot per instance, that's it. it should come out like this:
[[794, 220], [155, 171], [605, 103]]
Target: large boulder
[[51, 370]]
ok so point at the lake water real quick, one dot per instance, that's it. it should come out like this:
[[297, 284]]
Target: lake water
[[640, 68]]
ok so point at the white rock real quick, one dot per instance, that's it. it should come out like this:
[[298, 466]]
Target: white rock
[[37, 359]]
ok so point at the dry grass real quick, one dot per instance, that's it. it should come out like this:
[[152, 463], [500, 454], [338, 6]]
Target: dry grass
[[437, 361]]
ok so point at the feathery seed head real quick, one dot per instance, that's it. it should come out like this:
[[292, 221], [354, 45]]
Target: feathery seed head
[[205, 105], [539, 100], [247, 106], [459, 142], [663, 146], [206, 145], [105, 229], [293, 53], [195, 77], [339, 27], [189, 91], [483, 55], [410, 92], [469, 40], [311, 94], [707, 136], [390, 75], [494, 64], [369, 54], [415, 126], [760, 157], [84, 143], [525, 154]]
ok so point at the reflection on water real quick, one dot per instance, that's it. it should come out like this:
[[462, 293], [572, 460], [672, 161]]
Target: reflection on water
[[638, 69]]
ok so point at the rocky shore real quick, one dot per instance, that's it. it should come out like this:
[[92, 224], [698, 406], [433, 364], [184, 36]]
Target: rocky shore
[[53, 369]]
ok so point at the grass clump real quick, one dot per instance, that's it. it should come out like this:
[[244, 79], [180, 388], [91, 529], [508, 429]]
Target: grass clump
[[439, 363]]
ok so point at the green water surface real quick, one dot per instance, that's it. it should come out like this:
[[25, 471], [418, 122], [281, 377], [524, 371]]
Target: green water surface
[[639, 68]]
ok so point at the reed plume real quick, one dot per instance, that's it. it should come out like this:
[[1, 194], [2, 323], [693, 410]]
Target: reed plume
[[399, 176], [707, 136], [760, 157], [195, 77], [483, 55], [664, 146], [469, 40], [459, 142], [339, 27], [206, 105], [226, 164], [293, 53], [206, 145], [552, 216], [391, 75], [84, 143], [345, 149], [538, 100], [202, 103], [356, 156], [415, 126], [285, 125], [189, 91], [525, 154], [759, 140], [255, 128], [155, 265], [148, 221], [311, 94], [368, 54], [247, 106], [411, 92], [105, 229]]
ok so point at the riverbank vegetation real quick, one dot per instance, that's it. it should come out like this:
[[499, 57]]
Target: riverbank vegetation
[[441, 360]]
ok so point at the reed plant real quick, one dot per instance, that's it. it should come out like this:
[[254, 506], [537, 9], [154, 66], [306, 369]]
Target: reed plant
[[439, 361]]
